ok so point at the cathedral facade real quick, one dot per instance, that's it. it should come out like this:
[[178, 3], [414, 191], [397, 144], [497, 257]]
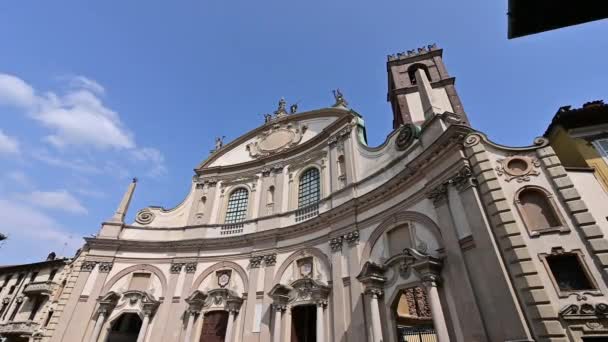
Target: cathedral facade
[[299, 231]]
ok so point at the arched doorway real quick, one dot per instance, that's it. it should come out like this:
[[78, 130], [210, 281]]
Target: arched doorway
[[214, 326], [125, 328], [304, 323], [413, 319]]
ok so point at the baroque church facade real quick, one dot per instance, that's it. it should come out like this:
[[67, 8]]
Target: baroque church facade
[[299, 231]]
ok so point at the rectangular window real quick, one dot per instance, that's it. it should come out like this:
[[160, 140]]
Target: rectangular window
[[139, 281], [603, 146], [35, 307], [568, 272], [14, 313]]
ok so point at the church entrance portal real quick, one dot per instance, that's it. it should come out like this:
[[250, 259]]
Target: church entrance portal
[[125, 328], [214, 326], [303, 323]]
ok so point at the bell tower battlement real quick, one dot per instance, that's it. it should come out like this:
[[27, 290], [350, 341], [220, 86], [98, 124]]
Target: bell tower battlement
[[419, 86]]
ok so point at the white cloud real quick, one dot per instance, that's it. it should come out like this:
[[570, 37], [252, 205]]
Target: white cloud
[[155, 157], [81, 82], [15, 92], [8, 145], [78, 117], [23, 223], [61, 200]]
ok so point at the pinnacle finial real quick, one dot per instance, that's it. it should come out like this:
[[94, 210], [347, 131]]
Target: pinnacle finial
[[121, 211]]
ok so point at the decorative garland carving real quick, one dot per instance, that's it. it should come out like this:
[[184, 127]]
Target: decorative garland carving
[[144, 216], [584, 310]]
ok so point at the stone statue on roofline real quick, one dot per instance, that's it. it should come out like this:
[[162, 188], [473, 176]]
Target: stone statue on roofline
[[340, 100]]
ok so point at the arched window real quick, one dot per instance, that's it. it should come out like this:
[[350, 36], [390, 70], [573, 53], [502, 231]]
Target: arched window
[[309, 190], [411, 71], [237, 206], [536, 210]]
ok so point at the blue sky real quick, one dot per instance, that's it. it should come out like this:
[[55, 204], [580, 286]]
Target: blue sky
[[94, 93]]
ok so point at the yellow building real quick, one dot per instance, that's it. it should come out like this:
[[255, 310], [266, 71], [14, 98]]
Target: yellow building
[[580, 138]]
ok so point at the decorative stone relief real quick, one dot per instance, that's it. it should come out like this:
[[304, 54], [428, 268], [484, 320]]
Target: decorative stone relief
[[191, 267], [352, 238], [407, 134], [144, 216], [177, 267], [519, 168], [461, 180], [279, 137], [105, 266], [336, 244], [270, 259], [223, 278], [585, 309], [255, 261], [88, 266]]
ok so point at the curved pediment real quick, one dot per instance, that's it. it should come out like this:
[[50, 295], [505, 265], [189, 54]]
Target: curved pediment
[[275, 137]]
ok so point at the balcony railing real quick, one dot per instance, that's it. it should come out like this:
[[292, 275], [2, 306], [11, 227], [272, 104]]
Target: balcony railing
[[307, 212], [417, 334], [44, 288], [23, 328], [232, 229]]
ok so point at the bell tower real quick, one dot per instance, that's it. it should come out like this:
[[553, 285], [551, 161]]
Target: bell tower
[[420, 87]]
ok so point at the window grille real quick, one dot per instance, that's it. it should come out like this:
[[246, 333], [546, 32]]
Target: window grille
[[309, 190], [237, 206]]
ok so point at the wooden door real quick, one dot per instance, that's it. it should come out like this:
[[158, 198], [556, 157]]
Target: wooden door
[[214, 326], [303, 324]]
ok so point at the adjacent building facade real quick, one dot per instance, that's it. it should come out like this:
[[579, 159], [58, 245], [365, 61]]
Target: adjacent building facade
[[300, 231], [29, 294]]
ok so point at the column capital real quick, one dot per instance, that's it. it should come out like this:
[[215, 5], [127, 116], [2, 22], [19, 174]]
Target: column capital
[[279, 307], [321, 303], [335, 244], [374, 292], [430, 279]]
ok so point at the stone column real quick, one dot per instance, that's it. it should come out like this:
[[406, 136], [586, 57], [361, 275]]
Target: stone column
[[320, 321], [191, 316], [98, 324], [144, 327], [230, 326], [375, 312], [276, 333], [430, 284]]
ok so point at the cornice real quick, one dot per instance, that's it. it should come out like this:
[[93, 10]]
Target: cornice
[[412, 173]]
